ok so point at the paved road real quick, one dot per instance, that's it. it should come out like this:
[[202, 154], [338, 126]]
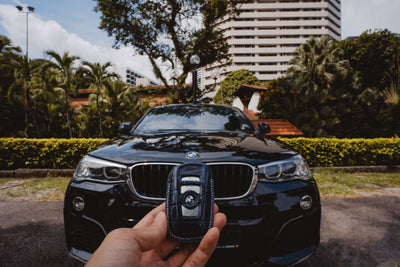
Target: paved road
[[355, 232]]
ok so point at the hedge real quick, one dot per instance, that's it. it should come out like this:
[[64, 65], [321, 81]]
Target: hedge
[[44, 153], [319, 152], [329, 152]]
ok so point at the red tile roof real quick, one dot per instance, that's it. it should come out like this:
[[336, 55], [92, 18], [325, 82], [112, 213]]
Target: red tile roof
[[79, 102], [85, 91], [278, 127], [245, 92], [255, 87]]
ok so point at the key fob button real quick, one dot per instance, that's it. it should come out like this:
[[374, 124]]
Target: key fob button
[[190, 212], [185, 188]]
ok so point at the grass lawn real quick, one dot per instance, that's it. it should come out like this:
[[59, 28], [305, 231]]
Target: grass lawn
[[330, 183], [335, 184], [50, 188]]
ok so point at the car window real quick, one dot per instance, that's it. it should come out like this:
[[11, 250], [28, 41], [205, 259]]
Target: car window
[[194, 118]]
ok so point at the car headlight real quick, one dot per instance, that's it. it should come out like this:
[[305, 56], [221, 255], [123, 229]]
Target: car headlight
[[283, 170], [98, 169]]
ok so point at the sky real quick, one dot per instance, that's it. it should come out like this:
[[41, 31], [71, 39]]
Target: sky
[[72, 25]]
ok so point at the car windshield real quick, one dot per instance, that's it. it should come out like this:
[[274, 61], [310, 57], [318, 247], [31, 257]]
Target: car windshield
[[193, 118]]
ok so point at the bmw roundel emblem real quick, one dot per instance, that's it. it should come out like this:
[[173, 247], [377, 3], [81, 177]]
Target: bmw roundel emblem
[[192, 155], [189, 199]]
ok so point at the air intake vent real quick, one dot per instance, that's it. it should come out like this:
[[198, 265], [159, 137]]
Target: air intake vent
[[232, 180]]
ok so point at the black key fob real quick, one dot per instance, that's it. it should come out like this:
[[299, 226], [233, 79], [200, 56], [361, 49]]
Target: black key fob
[[190, 202]]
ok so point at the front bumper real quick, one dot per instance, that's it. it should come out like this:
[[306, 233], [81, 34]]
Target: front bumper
[[268, 226]]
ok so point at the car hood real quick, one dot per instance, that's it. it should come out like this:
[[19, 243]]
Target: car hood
[[211, 147]]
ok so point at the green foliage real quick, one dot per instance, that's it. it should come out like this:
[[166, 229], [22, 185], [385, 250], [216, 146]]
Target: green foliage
[[51, 86], [322, 152], [372, 55], [343, 89], [119, 103], [278, 102], [326, 152], [100, 81], [232, 82], [44, 153], [169, 32]]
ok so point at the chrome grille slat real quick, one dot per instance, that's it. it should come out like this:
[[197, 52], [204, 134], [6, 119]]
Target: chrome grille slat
[[232, 179]]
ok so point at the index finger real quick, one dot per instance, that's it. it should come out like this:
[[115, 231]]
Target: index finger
[[149, 218], [205, 249]]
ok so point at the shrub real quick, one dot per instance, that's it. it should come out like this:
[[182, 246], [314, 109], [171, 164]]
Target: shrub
[[44, 153], [319, 152], [327, 152]]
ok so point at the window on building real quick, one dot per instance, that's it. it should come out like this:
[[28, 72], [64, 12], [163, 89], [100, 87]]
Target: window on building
[[268, 72], [267, 55], [267, 63], [266, 45]]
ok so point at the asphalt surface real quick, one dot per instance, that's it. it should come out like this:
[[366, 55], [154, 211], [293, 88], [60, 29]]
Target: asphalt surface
[[361, 231]]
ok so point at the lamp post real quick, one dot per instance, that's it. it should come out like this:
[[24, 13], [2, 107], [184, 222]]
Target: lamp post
[[29, 9], [194, 60], [215, 75], [174, 76]]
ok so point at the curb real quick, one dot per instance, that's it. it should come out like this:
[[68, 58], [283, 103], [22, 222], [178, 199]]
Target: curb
[[36, 173], [395, 168], [42, 173]]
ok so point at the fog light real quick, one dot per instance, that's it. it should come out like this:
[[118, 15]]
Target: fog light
[[306, 202], [78, 203]]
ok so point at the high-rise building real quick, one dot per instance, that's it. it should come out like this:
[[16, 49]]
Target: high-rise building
[[264, 36], [133, 78]]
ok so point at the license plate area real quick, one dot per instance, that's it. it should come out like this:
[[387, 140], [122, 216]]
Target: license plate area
[[230, 237]]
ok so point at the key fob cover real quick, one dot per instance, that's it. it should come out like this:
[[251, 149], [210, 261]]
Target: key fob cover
[[190, 202]]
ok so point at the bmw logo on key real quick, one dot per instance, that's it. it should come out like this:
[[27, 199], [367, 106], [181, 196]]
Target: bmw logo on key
[[189, 199], [192, 155]]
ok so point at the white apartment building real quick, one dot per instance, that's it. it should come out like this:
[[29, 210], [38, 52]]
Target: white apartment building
[[266, 33], [134, 78]]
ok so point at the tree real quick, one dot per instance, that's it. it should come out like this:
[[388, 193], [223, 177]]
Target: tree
[[120, 103], [317, 67], [11, 114], [170, 32], [48, 100], [65, 65], [19, 91], [278, 101], [372, 55], [231, 83], [99, 79], [374, 58], [313, 86], [8, 53]]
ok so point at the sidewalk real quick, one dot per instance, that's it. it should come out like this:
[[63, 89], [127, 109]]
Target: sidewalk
[[41, 173]]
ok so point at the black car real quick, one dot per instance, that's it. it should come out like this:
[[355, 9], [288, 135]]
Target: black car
[[264, 187]]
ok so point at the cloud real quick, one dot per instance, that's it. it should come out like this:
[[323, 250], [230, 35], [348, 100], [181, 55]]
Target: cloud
[[361, 15], [50, 35]]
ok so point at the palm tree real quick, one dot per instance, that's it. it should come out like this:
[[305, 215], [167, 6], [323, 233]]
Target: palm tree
[[99, 79], [7, 54], [316, 66], [392, 92], [65, 65]]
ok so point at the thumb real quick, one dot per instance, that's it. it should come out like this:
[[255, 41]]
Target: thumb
[[149, 237]]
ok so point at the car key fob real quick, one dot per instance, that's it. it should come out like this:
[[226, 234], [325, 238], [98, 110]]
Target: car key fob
[[190, 202]]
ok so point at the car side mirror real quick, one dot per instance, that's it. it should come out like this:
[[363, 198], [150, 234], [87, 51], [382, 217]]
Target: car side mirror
[[125, 127], [263, 128]]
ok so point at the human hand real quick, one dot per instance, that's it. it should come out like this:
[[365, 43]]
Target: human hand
[[147, 244]]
